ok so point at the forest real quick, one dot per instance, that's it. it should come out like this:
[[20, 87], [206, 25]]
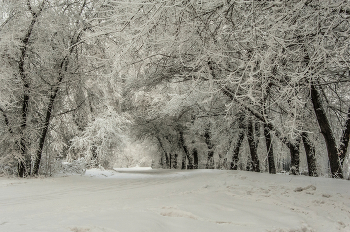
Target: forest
[[255, 85]]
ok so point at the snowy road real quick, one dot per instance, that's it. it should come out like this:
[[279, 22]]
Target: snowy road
[[168, 200]]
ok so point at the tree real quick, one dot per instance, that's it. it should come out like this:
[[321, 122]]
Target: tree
[[51, 52]]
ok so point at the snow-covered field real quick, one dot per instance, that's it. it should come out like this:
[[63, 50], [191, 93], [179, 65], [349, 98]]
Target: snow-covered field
[[172, 200]]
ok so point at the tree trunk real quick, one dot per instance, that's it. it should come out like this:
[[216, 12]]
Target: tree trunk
[[170, 160], [269, 147], [164, 152], [195, 158], [235, 155], [344, 141], [63, 69], [327, 133], [295, 157], [174, 161], [253, 142], [258, 115], [183, 161], [44, 132], [184, 147], [310, 154], [24, 165], [210, 163]]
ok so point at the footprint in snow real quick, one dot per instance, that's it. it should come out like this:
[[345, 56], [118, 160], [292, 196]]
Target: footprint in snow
[[175, 212]]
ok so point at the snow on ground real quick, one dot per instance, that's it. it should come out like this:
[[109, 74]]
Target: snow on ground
[[173, 200]]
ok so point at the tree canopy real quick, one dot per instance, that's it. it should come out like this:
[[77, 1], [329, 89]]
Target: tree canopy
[[212, 84]]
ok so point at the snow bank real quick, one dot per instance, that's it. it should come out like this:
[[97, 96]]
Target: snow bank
[[137, 168]]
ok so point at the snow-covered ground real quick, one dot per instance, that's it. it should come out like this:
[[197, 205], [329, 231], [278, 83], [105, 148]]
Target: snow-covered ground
[[171, 200]]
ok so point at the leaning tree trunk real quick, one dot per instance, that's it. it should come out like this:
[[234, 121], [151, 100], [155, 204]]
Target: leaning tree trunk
[[310, 154], [53, 95], [327, 133], [295, 157], [269, 147], [45, 128]]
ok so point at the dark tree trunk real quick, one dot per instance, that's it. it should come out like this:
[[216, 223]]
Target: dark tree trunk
[[174, 161], [167, 164], [269, 147], [44, 132], [253, 142], [344, 141], [190, 164], [161, 162], [183, 161], [195, 158], [164, 155], [170, 160], [327, 133], [24, 165], [235, 156], [63, 69], [22, 168], [295, 157], [310, 154], [238, 144], [258, 115], [185, 149], [210, 162]]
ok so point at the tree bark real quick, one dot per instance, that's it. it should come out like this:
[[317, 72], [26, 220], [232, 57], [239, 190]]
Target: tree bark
[[210, 157], [344, 141], [164, 152], [295, 157], [185, 149], [310, 154], [63, 70], [174, 161], [253, 142], [235, 156], [24, 165], [195, 158], [269, 147], [183, 161], [44, 131], [327, 133], [169, 160]]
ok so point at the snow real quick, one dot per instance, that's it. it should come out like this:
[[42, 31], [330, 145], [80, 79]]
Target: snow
[[142, 199]]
